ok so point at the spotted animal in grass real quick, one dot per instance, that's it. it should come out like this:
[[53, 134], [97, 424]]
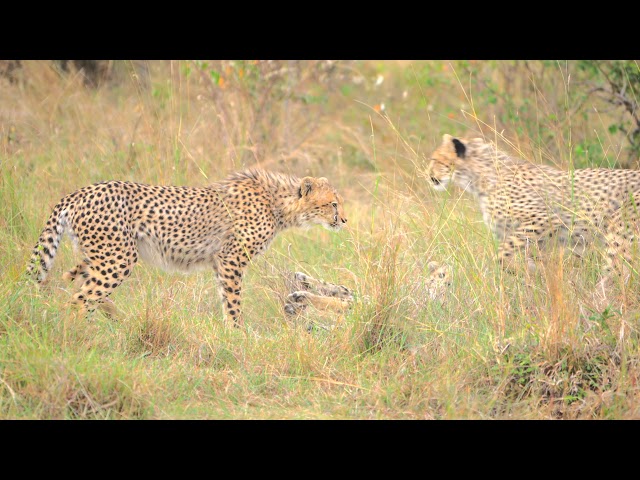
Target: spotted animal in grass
[[219, 227], [319, 294], [524, 203], [328, 297], [316, 303]]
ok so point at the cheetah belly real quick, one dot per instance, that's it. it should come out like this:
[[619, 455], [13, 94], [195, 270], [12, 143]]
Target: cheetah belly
[[198, 258]]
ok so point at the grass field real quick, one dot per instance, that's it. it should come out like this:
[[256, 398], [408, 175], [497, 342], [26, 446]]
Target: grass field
[[526, 346]]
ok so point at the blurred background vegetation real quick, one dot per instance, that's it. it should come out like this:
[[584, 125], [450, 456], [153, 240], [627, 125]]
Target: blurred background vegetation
[[584, 111]]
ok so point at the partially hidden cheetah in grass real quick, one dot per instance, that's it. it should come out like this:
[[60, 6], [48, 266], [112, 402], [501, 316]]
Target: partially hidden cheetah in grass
[[525, 204], [320, 294], [438, 283], [323, 296], [222, 226], [315, 303]]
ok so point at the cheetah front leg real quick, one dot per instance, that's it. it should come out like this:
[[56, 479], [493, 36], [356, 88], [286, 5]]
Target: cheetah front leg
[[230, 272], [507, 249], [527, 237]]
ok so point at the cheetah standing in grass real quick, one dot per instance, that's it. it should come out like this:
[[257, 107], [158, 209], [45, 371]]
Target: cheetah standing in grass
[[527, 204], [222, 227]]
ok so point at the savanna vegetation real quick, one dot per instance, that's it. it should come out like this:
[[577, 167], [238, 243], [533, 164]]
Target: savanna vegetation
[[526, 345]]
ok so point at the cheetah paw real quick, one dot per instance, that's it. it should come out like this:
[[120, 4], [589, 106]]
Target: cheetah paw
[[299, 297], [294, 308]]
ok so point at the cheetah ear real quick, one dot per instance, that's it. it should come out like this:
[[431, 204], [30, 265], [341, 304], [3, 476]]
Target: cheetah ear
[[432, 266], [460, 147], [306, 185]]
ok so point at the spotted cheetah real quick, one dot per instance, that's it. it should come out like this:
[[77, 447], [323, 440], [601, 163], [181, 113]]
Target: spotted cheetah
[[222, 226], [526, 204], [318, 293], [439, 280], [325, 296]]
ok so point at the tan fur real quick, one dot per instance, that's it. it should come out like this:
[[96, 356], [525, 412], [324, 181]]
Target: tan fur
[[526, 204], [438, 281], [221, 227], [328, 297], [317, 293]]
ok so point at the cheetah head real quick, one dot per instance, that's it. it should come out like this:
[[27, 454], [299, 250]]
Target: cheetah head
[[447, 163], [320, 203], [439, 280]]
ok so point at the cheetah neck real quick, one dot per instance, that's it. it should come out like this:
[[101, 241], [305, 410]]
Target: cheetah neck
[[284, 195], [490, 167], [286, 204]]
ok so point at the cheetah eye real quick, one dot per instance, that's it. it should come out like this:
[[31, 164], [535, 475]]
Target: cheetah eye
[[334, 204], [441, 275]]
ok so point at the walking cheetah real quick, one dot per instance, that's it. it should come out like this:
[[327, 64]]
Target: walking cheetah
[[222, 226], [527, 204]]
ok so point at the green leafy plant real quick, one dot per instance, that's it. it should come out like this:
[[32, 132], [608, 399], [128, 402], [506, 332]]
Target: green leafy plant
[[617, 82]]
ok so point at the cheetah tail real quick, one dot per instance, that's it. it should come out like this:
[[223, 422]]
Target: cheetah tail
[[47, 246]]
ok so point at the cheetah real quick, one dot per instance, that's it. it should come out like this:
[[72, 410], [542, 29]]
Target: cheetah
[[316, 304], [526, 204], [438, 281], [222, 226], [318, 293], [325, 296]]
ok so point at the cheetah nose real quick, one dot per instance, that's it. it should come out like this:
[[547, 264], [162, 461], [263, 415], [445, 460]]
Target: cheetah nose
[[435, 180]]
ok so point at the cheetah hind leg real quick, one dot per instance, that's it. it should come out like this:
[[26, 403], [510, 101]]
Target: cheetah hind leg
[[95, 288], [72, 274], [327, 298], [622, 250], [107, 306], [297, 302], [76, 277]]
